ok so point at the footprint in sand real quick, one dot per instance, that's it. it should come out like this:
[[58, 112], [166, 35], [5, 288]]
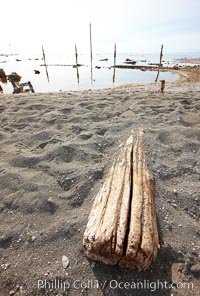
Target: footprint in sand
[[68, 154], [101, 131], [165, 138], [85, 136], [35, 107], [66, 110], [184, 123], [76, 129], [24, 162]]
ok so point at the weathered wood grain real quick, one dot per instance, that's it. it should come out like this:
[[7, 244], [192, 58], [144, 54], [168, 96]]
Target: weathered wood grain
[[122, 227]]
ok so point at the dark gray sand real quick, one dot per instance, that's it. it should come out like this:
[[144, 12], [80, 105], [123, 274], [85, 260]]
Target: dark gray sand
[[54, 151]]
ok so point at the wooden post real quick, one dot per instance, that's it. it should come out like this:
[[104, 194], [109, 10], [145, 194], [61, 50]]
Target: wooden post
[[90, 43], [114, 63], [162, 88], [45, 64], [91, 58], [122, 226], [76, 56], [161, 55]]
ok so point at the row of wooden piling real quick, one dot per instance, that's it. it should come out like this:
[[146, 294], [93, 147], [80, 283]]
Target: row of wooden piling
[[91, 59]]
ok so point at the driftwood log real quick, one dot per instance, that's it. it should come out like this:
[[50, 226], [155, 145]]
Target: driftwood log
[[122, 227]]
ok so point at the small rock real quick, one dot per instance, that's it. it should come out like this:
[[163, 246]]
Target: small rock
[[18, 288], [180, 253], [50, 200], [195, 268], [5, 266], [174, 205], [176, 272], [11, 293], [169, 227], [65, 261]]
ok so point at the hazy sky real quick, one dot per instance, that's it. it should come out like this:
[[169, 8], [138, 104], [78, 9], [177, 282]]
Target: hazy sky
[[135, 25]]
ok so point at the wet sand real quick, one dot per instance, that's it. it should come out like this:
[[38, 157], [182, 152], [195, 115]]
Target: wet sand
[[55, 149]]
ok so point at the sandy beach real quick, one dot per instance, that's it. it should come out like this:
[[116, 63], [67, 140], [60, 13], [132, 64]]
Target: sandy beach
[[55, 149]]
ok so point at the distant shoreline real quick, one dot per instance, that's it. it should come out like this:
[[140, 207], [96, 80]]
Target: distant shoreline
[[186, 73]]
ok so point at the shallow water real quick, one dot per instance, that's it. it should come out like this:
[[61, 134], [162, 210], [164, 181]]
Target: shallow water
[[64, 78]]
